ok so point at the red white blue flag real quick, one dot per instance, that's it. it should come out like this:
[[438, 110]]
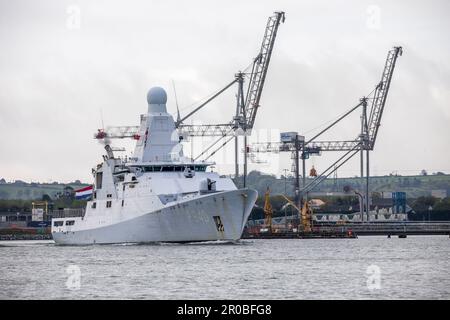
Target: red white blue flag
[[84, 193]]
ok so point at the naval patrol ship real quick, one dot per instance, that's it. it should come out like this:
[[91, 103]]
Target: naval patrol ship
[[158, 195]]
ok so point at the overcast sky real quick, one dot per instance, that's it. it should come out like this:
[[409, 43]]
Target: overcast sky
[[64, 63]]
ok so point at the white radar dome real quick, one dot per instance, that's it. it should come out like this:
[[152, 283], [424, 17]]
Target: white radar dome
[[156, 95]]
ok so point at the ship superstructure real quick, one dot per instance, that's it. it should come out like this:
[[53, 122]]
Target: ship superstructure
[[159, 194]]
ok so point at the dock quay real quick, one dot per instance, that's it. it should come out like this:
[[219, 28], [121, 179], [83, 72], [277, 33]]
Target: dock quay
[[25, 236], [22, 226], [327, 231], [300, 235], [21, 231], [406, 228]]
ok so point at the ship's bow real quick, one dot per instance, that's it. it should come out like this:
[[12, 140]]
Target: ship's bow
[[241, 203]]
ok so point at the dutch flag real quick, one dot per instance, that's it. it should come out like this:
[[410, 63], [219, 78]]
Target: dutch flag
[[84, 193]]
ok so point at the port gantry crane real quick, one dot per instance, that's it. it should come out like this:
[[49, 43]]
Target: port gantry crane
[[247, 106], [247, 102], [305, 214], [268, 211], [364, 142]]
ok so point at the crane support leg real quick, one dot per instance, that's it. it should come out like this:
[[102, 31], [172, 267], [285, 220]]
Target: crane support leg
[[297, 194], [245, 160], [367, 184], [361, 204]]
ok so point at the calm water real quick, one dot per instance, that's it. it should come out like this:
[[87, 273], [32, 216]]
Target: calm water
[[412, 268]]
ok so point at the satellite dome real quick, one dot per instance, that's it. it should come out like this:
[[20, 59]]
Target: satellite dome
[[156, 95]]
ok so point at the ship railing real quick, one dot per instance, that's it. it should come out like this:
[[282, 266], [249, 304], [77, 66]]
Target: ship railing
[[68, 213]]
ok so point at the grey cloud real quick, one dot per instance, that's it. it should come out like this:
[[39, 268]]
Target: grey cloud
[[55, 81]]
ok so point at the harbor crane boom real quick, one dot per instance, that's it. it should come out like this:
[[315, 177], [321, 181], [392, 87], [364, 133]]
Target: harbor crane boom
[[378, 102], [380, 95], [247, 109], [259, 70], [119, 132]]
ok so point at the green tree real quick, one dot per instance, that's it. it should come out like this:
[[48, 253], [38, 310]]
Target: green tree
[[376, 195], [423, 203], [443, 204]]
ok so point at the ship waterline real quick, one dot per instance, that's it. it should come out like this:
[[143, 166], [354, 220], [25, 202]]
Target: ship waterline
[[218, 216]]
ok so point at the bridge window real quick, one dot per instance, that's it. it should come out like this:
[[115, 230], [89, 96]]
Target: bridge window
[[70, 222], [179, 168], [99, 179], [58, 223]]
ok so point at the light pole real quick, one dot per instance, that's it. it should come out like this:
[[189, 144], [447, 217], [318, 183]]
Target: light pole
[[361, 206]]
